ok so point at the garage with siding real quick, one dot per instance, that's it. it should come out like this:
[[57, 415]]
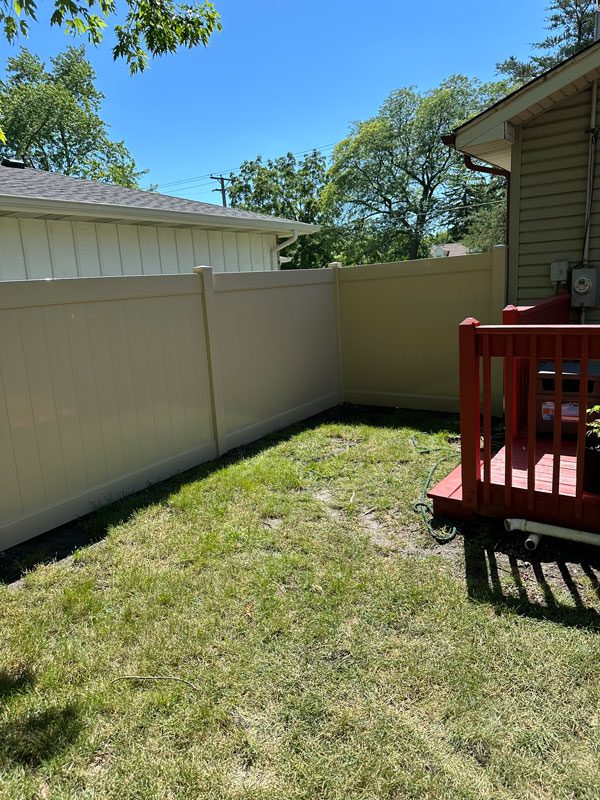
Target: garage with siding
[[57, 226]]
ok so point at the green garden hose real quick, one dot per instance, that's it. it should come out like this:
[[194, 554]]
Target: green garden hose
[[424, 508]]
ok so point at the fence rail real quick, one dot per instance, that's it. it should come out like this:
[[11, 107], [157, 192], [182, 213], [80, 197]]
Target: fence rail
[[110, 383]]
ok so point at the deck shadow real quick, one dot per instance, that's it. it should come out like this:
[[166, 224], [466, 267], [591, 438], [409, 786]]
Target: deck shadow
[[554, 584], [62, 542]]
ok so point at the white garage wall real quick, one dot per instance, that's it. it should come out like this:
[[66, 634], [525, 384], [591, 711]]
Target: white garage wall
[[37, 248]]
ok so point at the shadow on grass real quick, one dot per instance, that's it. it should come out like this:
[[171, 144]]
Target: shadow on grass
[[538, 581], [62, 542], [34, 738], [14, 681]]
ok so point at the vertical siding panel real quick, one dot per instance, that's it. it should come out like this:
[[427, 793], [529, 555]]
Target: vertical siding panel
[[10, 496], [230, 252], [129, 245], [149, 250], [65, 399], [121, 323], [12, 260], [168, 250], [201, 249], [215, 244], [244, 256], [106, 395], [19, 411], [85, 389], [108, 248], [86, 248], [185, 250], [62, 249], [42, 404], [256, 251], [267, 242], [34, 235]]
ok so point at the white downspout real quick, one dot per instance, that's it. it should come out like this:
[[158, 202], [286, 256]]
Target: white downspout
[[282, 245]]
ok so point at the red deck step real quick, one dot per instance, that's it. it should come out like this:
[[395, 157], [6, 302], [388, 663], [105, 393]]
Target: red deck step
[[447, 495]]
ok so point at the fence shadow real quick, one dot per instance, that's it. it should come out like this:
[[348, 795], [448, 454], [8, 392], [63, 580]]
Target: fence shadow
[[62, 542], [559, 582]]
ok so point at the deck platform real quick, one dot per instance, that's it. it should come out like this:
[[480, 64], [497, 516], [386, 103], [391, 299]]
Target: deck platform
[[542, 505]]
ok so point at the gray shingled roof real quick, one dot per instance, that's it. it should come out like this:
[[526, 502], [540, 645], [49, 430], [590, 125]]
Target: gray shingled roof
[[37, 185]]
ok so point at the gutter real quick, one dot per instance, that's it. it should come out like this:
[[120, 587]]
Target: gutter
[[106, 212]]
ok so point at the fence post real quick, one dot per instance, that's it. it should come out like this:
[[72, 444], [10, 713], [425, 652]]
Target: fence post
[[213, 356], [336, 267], [470, 431]]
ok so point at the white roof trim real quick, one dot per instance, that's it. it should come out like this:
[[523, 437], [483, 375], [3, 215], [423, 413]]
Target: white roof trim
[[99, 212], [523, 105]]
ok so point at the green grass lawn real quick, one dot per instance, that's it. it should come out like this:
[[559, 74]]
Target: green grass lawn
[[326, 646]]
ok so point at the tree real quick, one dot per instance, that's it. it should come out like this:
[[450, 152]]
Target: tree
[[393, 170], [571, 28], [51, 119], [150, 27], [289, 188], [487, 228], [468, 196]]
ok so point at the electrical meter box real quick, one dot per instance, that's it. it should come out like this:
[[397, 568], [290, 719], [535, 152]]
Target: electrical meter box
[[584, 287], [570, 410]]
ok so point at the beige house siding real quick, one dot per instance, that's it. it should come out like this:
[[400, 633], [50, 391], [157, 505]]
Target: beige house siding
[[38, 248], [549, 179]]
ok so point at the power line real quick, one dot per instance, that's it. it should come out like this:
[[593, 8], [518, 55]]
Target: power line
[[237, 169]]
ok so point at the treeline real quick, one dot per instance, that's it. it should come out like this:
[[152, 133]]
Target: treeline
[[391, 189], [388, 191]]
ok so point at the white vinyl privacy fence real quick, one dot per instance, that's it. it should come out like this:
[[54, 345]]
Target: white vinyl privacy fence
[[108, 384]]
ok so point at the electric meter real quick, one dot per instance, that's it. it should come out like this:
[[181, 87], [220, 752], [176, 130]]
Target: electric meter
[[584, 287]]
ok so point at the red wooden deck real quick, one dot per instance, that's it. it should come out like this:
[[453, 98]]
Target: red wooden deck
[[540, 477], [447, 496]]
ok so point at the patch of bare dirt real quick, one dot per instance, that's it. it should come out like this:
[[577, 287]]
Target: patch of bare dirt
[[272, 523]]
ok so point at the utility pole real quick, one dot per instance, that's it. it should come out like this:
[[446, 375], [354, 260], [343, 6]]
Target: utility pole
[[222, 180]]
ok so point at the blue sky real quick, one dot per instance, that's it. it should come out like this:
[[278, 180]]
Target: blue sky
[[288, 76]]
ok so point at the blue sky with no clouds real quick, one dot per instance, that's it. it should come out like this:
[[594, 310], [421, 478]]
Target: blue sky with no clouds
[[288, 76]]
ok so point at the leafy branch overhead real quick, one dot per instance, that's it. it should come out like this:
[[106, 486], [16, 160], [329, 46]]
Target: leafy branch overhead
[[51, 116], [150, 27], [570, 26]]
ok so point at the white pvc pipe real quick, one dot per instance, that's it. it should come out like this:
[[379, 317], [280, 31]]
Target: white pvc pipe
[[532, 541], [540, 528]]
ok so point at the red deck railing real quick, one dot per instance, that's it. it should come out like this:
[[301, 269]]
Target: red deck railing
[[545, 495]]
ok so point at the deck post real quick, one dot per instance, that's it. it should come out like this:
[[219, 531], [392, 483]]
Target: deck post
[[470, 431]]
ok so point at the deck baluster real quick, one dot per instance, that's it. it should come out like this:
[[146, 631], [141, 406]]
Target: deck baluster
[[558, 402], [532, 422], [509, 419], [581, 425], [470, 445], [487, 419]]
